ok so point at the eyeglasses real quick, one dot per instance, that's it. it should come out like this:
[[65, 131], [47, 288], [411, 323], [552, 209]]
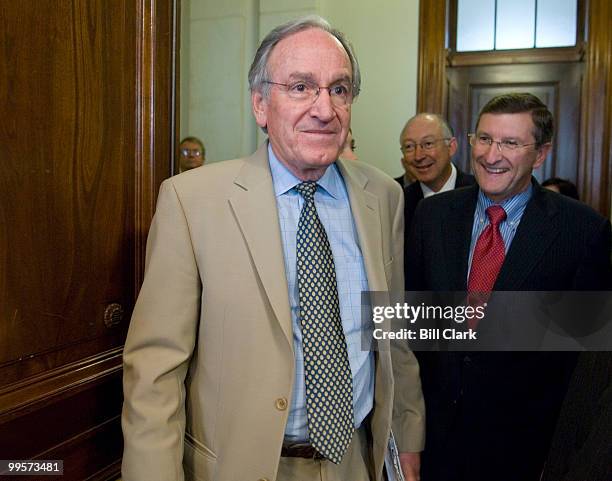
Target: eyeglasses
[[340, 93], [410, 147], [194, 152], [481, 140]]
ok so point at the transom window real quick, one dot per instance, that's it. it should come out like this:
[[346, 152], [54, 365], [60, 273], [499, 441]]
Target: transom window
[[515, 24]]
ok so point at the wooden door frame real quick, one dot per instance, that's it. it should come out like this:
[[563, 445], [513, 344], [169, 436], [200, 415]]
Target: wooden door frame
[[594, 163], [157, 106]]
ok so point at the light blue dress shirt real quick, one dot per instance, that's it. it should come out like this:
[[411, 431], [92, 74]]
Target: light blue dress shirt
[[514, 207], [334, 210]]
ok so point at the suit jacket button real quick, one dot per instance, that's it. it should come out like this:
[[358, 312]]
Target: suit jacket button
[[281, 404]]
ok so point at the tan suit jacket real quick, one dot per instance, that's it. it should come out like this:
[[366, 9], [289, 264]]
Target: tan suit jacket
[[208, 362]]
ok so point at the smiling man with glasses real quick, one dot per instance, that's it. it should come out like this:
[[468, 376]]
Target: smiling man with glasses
[[505, 151], [427, 144], [491, 415], [244, 356]]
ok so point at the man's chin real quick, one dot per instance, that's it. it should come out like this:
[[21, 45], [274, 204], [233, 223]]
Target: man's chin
[[322, 159], [494, 192], [425, 179]]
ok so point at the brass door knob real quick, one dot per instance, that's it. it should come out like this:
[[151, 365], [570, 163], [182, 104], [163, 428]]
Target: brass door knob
[[113, 314]]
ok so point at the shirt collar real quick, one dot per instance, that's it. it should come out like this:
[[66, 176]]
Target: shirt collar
[[284, 180], [448, 185], [514, 206]]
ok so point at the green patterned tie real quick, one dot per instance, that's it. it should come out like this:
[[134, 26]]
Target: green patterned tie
[[327, 372]]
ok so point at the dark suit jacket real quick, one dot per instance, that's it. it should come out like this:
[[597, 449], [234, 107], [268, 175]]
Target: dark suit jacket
[[413, 194], [582, 445], [490, 415], [400, 180]]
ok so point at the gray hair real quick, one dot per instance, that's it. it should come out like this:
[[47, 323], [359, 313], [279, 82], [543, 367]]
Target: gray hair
[[447, 130], [259, 74]]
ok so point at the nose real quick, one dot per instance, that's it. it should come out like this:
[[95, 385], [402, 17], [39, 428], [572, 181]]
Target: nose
[[419, 152], [493, 153], [322, 107]]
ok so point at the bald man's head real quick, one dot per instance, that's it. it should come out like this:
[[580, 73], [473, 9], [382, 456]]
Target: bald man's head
[[427, 145]]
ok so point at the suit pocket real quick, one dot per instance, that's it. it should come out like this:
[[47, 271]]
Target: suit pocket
[[199, 462]]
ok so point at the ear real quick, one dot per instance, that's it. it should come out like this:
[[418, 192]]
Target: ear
[[452, 146], [260, 109], [541, 155]]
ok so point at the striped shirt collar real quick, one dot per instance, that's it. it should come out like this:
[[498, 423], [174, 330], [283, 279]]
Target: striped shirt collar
[[514, 206]]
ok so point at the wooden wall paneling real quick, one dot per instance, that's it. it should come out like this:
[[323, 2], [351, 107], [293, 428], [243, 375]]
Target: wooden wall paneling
[[55, 426], [75, 418], [595, 166], [431, 93], [86, 136]]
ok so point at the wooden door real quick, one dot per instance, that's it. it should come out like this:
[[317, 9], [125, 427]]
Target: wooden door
[[556, 84], [86, 137]]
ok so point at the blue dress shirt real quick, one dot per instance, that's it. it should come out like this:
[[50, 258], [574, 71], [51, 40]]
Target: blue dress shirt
[[334, 210]]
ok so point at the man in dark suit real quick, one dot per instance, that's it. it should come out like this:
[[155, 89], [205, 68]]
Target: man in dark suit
[[491, 415], [582, 445], [427, 145]]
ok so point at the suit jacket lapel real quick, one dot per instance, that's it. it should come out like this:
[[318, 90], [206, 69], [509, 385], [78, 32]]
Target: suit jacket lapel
[[413, 194], [254, 206], [535, 233], [365, 210], [457, 237], [463, 180]]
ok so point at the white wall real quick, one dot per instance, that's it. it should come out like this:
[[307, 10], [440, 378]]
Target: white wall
[[385, 38], [218, 43]]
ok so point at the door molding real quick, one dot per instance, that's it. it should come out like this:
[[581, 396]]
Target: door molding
[[595, 167]]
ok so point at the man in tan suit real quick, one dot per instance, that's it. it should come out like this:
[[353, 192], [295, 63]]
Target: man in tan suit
[[243, 359]]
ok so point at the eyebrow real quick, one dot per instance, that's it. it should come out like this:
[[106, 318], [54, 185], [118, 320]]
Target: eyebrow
[[508, 137], [301, 76], [423, 139], [308, 77]]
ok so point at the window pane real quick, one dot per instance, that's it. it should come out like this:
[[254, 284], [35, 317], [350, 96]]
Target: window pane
[[475, 25], [556, 24], [515, 24]]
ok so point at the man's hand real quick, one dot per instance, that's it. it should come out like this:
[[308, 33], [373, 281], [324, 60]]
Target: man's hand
[[411, 465]]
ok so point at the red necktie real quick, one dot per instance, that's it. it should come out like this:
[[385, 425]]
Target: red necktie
[[488, 258]]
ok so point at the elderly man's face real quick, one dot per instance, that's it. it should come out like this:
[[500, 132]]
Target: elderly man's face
[[502, 174], [191, 155], [305, 136], [430, 164]]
